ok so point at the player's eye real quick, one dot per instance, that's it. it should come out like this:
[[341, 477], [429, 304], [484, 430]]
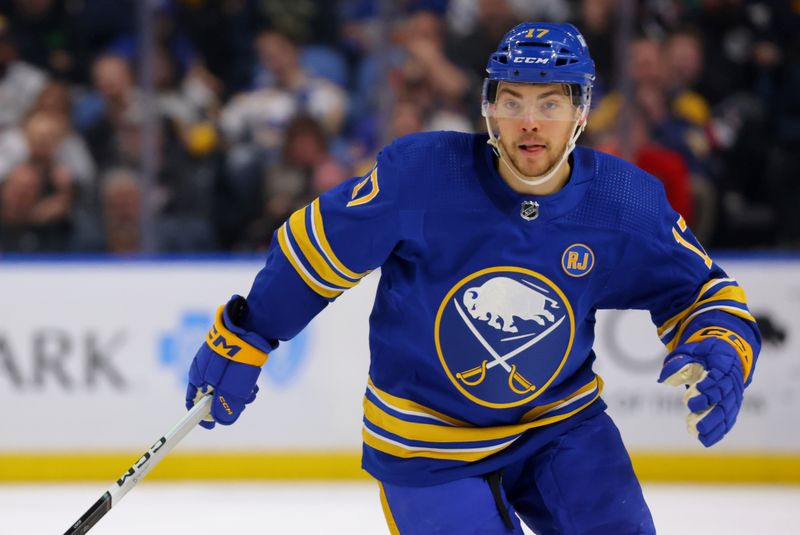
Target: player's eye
[[551, 105], [512, 106]]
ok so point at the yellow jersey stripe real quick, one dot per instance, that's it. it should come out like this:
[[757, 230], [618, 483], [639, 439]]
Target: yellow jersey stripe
[[410, 407], [297, 224], [318, 230], [442, 434], [731, 293], [316, 286], [433, 432], [670, 323], [589, 388], [702, 306], [387, 512], [397, 449], [738, 312]]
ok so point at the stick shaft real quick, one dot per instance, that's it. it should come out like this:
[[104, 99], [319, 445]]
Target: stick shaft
[[141, 467]]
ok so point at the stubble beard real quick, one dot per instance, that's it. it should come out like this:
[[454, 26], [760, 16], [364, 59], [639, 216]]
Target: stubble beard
[[531, 167]]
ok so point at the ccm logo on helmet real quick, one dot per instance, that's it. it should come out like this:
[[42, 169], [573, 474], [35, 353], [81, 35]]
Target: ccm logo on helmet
[[531, 60]]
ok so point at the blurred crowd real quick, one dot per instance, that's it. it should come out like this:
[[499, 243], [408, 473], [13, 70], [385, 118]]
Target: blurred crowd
[[244, 110]]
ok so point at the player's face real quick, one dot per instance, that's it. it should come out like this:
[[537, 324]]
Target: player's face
[[535, 122]]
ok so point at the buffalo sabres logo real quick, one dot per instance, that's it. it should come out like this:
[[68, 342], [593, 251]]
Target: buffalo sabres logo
[[503, 334]]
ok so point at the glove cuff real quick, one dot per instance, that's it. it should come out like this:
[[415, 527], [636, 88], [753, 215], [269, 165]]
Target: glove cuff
[[743, 349], [233, 343]]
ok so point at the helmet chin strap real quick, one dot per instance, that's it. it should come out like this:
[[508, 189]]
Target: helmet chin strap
[[535, 180]]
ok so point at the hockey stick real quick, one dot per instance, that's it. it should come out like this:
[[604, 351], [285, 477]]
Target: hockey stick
[[141, 467]]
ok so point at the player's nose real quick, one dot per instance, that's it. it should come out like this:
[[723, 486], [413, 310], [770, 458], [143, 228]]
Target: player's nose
[[530, 126], [530, 121]]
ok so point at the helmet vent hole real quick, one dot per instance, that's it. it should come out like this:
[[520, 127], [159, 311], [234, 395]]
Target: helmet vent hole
[[563, 51], [561, 61], [535, 44]]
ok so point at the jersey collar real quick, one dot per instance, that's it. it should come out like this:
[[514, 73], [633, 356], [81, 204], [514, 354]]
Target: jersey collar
[[550, 206]]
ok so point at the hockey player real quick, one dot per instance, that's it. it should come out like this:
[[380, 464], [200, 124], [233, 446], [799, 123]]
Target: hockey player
[[495, 252]]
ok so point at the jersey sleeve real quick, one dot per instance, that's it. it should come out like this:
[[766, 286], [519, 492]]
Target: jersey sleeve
[[324, 249], [665, 270]]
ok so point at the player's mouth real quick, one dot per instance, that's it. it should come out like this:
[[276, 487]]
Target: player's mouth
[[531, 149]]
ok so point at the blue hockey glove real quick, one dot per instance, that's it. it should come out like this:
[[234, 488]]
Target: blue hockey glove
[[227, 364], [714, 363]]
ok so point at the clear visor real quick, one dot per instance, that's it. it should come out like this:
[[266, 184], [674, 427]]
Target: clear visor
[[552, 105]]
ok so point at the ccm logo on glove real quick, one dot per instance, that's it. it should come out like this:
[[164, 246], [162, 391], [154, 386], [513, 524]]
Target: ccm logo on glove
[[216, 340], [225, 405], [228, 363], [233, 345], [739, 344]]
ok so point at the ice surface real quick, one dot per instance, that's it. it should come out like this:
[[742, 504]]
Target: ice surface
[[348, 508]]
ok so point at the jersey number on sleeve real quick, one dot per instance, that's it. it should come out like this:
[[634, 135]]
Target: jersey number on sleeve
[[678, 235], [366, 190]]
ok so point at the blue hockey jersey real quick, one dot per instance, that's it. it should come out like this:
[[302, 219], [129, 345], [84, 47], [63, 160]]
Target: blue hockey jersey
[[482, 328]]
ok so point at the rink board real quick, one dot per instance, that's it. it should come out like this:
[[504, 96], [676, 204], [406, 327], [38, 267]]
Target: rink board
[[93, 358]]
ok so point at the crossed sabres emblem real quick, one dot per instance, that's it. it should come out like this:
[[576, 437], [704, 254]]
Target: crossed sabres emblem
[[502, 299]]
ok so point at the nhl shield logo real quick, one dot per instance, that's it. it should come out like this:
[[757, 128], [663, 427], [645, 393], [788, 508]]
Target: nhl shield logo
[[503, 334], [529, 210]]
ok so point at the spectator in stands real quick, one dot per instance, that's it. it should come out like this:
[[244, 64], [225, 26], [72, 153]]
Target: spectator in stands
[[648, 89], [229, 56], [464, 15], [726, 46], [55, 97], [783, 168], [121, 212], [407, 118], [118, 228], [597, 22], [186, 100], [45, 34], [683, 55], [114, 101], [304, 21], [659, 161], [423, 39], [113, 119], [259, 118], [20, 82], [254, 124], [306, 169], [47, 140], [492, 20], [645, 69], [428, 76], [167, 34], [177, 190], [35, 210], [192, 156], [711, 81]]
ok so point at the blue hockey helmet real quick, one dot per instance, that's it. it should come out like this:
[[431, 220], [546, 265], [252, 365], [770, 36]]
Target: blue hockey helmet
[[545, 53]]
